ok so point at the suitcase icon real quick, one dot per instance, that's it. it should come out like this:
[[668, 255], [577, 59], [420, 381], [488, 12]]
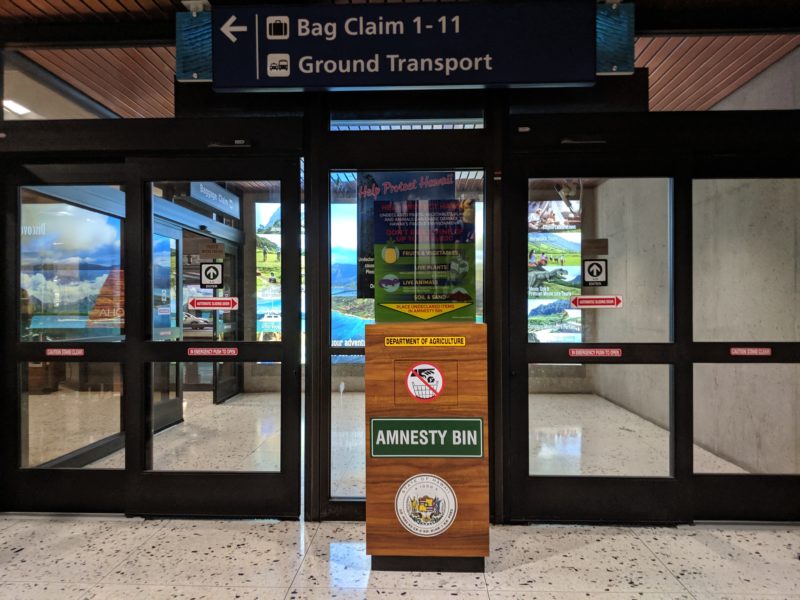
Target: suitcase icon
[[277, 28]]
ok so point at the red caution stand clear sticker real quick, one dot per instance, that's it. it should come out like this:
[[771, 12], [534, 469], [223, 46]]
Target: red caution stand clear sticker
[[425, 382]]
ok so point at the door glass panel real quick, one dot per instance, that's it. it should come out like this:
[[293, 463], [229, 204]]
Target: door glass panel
[[744, 238], [348, 438], [223, 416], [165, 288], [70, 415], [71, 278], [747, 419], [599, 419], [351, 311], [235, 227], [624, 222], [351, 307]]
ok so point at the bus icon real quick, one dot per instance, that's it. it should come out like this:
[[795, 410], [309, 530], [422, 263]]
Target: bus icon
[[278, 65]]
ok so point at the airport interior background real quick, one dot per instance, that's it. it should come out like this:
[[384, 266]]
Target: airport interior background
[[701, 247]]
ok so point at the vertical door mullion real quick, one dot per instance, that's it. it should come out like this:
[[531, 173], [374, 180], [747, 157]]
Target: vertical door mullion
[[137, 247], [682, 416], [290, 325]]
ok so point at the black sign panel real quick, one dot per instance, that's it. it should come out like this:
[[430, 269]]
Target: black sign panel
[[595, 272], [211, 276], [316, 46]]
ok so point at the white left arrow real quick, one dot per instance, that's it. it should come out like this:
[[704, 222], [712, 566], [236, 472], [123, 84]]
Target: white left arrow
[[229, 28]]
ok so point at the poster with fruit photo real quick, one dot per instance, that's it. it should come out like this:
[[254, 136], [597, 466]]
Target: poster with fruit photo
[[424, 260], [392, 186]]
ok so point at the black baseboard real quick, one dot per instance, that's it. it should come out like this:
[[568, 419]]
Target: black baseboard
[[439, 564], [88, 454]]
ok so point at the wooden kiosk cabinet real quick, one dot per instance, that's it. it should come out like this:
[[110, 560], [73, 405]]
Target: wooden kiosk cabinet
[[427, 446]]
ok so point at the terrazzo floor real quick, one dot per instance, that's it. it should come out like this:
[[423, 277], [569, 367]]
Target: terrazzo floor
[[569, 434], [91, 557], [585, 434], [241, 434]]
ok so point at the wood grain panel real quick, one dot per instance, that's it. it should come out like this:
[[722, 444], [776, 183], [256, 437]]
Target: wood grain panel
[[132, 82], [695, 73], [468, 536], [87, 10]]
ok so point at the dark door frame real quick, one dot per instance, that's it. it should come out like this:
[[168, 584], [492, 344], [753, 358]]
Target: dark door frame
[[680, 147], [353, 150], [513, 144], [132, 161]]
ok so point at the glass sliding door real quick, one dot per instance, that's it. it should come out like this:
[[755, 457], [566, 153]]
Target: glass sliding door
[[68, 331], [223, 410], [593, 419], [352, 306]]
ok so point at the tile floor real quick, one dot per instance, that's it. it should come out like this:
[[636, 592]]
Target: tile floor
[[585, 434], [110, 557], [570, 434], [241, 434]]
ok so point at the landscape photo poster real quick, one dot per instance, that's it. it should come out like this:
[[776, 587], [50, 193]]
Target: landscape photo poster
[[71, 277], [554, 270]]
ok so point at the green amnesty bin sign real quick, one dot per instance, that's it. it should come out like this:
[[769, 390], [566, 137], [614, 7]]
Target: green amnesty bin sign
[[427, 438]]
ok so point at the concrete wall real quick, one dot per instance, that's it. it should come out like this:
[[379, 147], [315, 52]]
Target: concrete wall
[[746, 284], [749, 414], [746, 274], [558, 379], [776, 88], [644, 390], [351, 375], [634, 215]]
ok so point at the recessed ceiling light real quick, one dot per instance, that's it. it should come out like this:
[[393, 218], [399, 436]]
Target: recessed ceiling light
[[16, 107]]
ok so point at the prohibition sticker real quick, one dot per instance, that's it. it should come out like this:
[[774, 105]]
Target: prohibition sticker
[[425, 382], [425, 505]]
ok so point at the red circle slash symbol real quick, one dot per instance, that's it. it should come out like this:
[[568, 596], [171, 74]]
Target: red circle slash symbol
[[425, 382]]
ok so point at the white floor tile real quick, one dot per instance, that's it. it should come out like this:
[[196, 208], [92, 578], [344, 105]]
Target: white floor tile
[[43, 591], [745, 597], [69, 549], [730, 561], [162, 592], [241, 434], [7, 522], [337, 559], [370, 594], [581, 559], [585, 596], [585, 434], [219, 553]]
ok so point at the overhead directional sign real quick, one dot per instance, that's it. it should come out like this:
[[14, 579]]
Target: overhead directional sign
[[595, 272], [318, 46], [213, 303], [596, 301]]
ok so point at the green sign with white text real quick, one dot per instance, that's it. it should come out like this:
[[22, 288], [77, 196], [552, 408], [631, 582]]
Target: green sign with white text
[[428, 438]]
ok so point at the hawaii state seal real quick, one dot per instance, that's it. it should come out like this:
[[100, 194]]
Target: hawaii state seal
[[425, 505]]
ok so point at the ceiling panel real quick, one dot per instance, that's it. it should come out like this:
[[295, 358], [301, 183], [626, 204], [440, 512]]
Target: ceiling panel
[[686, 73], [695, 73], [132, 82], [86, 10]]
